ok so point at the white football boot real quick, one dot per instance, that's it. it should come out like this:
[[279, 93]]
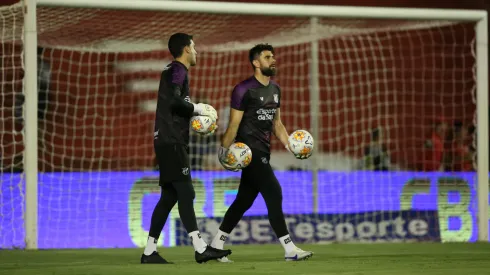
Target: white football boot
[[298, 255]]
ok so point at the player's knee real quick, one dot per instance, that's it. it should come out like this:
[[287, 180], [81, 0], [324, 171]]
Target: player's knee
[[273, 200], [277, 193], [186, 192], [192, 194], [188, 195], [245, 205], [167, 201], [279, 201], [273, 197]]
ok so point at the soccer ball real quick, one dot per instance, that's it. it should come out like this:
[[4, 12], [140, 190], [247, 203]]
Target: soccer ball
[[203, 124], [239, 155], [301, 143]]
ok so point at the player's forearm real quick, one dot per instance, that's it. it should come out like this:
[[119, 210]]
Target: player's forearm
[[178, 105], [229, 136], [181, 107], [281, 133]]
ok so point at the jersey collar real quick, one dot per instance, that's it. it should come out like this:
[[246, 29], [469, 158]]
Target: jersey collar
[[258, 82], [179, 64]]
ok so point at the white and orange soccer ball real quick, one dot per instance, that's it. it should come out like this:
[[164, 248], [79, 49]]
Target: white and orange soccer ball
[[239, 155], [301, 143], [203, 124]]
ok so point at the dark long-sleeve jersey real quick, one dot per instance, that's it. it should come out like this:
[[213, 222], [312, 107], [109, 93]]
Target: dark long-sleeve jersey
[[259, 104], [174, 109]]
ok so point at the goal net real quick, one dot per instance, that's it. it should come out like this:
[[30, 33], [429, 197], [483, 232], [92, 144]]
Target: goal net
[[386, 87]]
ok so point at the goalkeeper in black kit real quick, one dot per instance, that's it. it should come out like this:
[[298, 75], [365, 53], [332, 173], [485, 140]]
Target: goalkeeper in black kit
[[171, 139], [255, 114]]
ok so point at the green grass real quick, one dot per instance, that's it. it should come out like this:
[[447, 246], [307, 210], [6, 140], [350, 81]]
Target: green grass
[[358, 259]]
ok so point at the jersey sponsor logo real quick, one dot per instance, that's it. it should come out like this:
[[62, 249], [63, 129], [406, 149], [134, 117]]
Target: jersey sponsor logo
[[276, 98], [266, 114], [185, 171]]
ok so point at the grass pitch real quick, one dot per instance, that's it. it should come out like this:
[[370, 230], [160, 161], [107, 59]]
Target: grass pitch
[[358, 259]]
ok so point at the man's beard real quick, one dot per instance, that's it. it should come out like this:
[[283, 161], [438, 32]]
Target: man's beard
[[268, 71], [192, 61]]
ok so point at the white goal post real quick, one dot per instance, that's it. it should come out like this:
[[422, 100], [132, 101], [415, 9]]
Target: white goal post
[[311, 11]]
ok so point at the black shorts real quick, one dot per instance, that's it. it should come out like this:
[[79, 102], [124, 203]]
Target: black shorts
[[173, 163], [259, 174]]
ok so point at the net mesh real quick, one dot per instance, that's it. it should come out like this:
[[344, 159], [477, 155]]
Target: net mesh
[[11, 138], [387, 78]]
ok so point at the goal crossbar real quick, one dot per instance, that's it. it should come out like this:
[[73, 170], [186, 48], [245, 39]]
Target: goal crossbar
[[276, 9]]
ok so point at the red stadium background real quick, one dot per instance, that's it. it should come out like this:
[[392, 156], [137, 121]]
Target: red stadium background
[[91, 97]]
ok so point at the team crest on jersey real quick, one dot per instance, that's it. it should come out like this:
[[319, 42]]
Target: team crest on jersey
[[276, 98]]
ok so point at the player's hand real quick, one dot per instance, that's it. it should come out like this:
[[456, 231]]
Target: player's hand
[[223, 159], [297, 156], [205, 110]]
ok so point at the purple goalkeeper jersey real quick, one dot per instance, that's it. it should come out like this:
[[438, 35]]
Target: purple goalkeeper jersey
[[259, 104], [174, 109]]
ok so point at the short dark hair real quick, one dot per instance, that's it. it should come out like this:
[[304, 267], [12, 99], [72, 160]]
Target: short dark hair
[[177, 43], [257, 50]]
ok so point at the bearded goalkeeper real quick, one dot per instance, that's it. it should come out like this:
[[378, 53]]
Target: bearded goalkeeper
[[255, 114]]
